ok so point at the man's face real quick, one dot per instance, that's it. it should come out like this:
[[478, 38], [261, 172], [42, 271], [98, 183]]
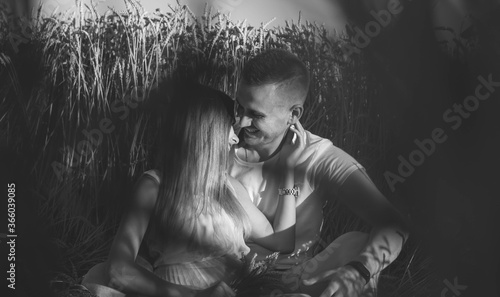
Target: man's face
[[262, 115]]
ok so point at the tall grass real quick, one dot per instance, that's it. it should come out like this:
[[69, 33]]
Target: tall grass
[[88, 67]]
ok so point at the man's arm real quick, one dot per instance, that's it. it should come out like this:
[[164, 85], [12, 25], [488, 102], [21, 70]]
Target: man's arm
[[385, 241], [389, 229]]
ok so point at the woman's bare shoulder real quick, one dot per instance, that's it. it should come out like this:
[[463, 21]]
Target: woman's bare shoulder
[[146, 190]]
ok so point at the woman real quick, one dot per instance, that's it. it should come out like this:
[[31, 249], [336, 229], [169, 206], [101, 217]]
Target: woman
[[189, 216]]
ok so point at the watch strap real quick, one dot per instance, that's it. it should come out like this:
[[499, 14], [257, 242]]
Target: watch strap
[[287, 191], [363, 271]]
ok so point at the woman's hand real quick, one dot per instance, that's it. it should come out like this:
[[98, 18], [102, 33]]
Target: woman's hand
[[293, 147]]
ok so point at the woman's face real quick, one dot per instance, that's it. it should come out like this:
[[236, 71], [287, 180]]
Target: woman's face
[[233, 138]]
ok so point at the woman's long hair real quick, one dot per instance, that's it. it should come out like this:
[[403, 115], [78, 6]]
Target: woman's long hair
[[193, 160]]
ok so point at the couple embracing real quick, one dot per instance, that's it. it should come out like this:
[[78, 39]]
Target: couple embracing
[[216, 196]]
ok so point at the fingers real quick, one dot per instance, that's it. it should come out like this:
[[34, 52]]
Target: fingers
[[300, 127], [332, 288], [319, 277], [300, 132], [290, 133]]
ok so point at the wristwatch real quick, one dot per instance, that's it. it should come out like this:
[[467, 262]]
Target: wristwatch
[[293, 191], [363, 271]]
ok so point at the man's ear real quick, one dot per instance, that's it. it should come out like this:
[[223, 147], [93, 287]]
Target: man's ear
[[296, 113]]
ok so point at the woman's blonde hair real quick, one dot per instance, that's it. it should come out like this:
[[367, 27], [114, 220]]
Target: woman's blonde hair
[[193, 160]]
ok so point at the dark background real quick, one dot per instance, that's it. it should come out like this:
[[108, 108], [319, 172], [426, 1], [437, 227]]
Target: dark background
[[452, 198]]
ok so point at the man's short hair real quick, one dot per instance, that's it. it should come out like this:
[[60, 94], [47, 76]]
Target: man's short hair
[[277, 66]]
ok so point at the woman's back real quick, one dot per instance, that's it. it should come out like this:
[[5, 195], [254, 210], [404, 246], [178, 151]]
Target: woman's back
[[217, 244]]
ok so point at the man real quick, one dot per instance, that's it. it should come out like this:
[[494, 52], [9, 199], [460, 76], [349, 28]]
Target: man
[[270, 99]]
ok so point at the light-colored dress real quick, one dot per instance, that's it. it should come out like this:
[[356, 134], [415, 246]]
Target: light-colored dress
[[216, 258]]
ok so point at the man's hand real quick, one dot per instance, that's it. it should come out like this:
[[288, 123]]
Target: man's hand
[[344, 282]]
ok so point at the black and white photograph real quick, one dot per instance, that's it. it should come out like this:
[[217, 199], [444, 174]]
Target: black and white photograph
[[250, 148]]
